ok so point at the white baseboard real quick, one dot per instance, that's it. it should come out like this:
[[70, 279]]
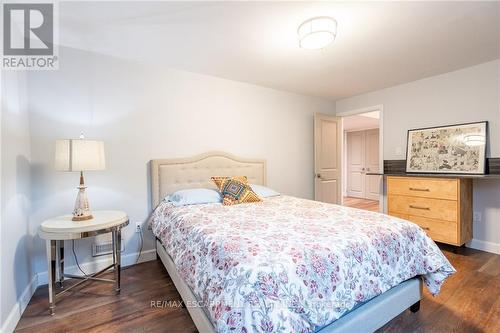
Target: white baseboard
[[17, 310], [42, 278], [484, 246]]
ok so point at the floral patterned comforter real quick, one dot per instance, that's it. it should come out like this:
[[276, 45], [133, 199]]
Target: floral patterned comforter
[[289, 264]]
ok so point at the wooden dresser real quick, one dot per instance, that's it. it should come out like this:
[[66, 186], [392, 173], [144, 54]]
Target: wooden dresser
[[441, 206]]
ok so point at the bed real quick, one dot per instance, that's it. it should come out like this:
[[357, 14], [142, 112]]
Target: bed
[[285, 264]]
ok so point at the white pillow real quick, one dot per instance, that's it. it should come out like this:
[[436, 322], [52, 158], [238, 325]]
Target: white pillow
[[194, 196], [264, 192]]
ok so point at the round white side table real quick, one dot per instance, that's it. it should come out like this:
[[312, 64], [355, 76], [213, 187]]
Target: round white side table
[[56, 230]]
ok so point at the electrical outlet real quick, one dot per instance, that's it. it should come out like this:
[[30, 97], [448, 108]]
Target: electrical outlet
[[477, 217], [138, 227]]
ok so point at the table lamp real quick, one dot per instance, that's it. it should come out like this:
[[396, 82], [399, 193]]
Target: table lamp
[[80, 155]]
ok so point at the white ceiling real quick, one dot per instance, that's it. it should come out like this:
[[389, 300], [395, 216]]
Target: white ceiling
[[379, 44], [360, 122]]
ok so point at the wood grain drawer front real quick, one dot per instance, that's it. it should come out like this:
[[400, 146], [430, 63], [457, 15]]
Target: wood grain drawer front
[[438, 230], [423, 187], [401, 216], [424, 207]]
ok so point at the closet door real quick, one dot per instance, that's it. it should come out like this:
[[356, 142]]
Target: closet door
[[356, 164], [372, 183]]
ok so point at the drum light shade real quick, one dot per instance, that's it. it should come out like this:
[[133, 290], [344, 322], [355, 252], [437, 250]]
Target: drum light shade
[[317, 32], [79, 155]]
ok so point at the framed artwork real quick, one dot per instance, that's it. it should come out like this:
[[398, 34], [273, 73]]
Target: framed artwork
[[456, 149]]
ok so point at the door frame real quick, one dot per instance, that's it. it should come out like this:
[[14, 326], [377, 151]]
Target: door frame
[[353, 112]]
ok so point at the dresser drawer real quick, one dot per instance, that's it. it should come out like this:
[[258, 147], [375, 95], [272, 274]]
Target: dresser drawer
[[423, 187], [401, 216], [438, 230], [431, 208]]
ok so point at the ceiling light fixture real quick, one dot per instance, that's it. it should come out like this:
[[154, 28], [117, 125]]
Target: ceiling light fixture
[[474, 139], [317, 32]]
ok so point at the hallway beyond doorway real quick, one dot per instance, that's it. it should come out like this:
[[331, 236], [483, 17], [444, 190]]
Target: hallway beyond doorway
[[359, 203]]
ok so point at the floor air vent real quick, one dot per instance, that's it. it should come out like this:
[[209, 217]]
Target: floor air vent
[[101, 249]]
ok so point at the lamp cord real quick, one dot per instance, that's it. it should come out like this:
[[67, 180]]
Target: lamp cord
[[76, 259], [140, 248]]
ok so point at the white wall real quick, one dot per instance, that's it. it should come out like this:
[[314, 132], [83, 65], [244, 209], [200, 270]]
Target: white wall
[[467, 95], [144, 113], [16, 241]]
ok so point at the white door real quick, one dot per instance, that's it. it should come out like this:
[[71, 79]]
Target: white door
[[327, 158], [372, 183], [362, 158], [355, 151]]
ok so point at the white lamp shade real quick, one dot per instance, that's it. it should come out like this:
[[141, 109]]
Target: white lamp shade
[[79, 155]]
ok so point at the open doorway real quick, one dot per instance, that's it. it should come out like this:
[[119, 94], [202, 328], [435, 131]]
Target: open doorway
[[362, 160]]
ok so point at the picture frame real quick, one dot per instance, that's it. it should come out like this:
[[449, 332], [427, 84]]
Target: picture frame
[[452, 149]]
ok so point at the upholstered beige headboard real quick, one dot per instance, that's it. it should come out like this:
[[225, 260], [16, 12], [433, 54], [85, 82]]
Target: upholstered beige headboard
[[170, 175]]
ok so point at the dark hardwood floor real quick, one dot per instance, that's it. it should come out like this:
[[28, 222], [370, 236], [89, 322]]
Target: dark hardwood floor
[[94, 307], [469, 302]]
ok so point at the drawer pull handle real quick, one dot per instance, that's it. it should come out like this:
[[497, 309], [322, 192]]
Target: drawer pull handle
[[426, 228], [418, 207], [419, 189]]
